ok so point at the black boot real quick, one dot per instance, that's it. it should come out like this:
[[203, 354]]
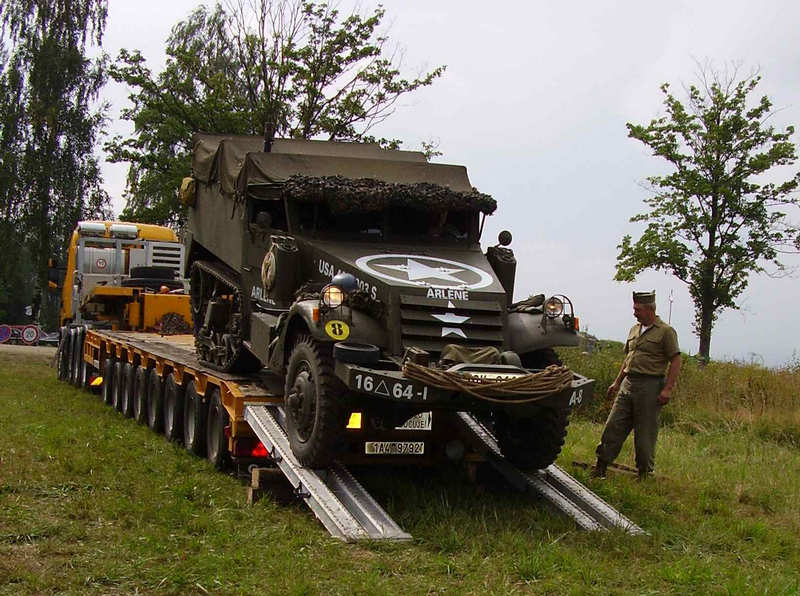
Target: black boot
[[599, 469]]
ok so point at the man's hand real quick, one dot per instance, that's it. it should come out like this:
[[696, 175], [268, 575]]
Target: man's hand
[[664, 396], [612, 389]]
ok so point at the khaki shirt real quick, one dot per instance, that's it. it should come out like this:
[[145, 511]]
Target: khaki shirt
[[650, 352]]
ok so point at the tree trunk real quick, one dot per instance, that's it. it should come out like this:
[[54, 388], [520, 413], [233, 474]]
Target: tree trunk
[[706, 324]]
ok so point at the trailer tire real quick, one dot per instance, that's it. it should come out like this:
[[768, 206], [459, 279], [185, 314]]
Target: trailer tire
[[216, 441], [533, 443], [140, 395], [77, 355], [315, 416], [108, 380], [194, 421], [119, 385], [173, 409], [63, 356], [73, 355], [155, 402], [85, 368]]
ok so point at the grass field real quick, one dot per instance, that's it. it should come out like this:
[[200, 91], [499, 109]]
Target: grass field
[[92, 503]]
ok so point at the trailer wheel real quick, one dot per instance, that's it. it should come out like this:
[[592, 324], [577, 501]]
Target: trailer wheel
[[155, 402], [194, 421], [85, 368], [216, 441], [64, 355], [73, 355], [119, 385], [108, 380], [315, 416], [533, 443], [140, 396], [173, 409], [77, 355]]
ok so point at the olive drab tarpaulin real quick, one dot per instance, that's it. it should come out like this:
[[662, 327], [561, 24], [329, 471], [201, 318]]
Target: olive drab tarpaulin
[[344, 174]]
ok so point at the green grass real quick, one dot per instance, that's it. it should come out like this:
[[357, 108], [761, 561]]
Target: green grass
[[92, 503]]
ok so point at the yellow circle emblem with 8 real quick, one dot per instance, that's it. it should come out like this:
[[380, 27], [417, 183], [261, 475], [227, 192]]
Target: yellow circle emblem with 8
[[338, 330]]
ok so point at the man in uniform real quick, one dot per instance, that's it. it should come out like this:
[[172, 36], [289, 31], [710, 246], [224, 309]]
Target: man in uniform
[[651, 346]]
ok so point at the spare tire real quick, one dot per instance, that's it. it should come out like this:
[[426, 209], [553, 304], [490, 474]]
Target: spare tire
[[152, 283], [355, 353], [153, 271]]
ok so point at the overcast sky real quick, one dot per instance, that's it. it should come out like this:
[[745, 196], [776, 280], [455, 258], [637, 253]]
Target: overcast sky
[[534, 102]]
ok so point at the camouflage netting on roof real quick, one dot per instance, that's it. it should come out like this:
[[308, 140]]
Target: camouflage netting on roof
[[345, 195]]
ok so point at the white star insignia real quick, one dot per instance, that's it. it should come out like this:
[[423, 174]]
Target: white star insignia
[[415, 270]]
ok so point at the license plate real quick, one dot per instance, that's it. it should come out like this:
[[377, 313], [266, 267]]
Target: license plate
[[422, 421], [394, 447], [493, 376]]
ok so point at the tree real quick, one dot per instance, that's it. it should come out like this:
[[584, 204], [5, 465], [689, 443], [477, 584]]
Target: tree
[[285, 68], [714, 219], [49, 175]]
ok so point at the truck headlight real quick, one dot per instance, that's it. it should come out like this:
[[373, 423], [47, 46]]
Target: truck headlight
[[553, 307], [332, 296]]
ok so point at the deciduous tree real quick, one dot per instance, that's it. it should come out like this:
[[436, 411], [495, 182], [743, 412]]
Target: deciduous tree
[[721, 213], [283, 68], [49, 174]]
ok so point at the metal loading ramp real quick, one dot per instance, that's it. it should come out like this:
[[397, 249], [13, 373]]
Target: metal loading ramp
[[556, 486], [338, 500]]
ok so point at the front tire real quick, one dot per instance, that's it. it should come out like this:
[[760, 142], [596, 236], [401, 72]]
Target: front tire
[[315, 414], [533, 443]]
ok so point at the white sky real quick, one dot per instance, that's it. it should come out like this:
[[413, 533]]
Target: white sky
[[534, 102]]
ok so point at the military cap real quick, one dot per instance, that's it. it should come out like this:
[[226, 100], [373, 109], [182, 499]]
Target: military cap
[[645, 297]]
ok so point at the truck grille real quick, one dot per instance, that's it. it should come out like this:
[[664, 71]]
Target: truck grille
[[430, 324]]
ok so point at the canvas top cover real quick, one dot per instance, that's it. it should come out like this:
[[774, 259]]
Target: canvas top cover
[[237, 162]]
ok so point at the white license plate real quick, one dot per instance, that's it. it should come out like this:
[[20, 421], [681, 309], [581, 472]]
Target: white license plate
[[394, 447], [493, 376], [422, 421]]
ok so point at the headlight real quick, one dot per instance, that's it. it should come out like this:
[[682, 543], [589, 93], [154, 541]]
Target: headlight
[[332, 296], [553, 307]]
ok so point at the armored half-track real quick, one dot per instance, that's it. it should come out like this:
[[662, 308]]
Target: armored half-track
[[356, 274]]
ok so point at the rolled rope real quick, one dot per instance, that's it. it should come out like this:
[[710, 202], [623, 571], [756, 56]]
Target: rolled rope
[[536, 386]]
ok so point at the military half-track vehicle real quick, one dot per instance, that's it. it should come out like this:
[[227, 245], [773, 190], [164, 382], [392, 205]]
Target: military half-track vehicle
[[356, 274]]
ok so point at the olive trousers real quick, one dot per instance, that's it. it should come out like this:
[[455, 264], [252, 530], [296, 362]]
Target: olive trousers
[[635, 408]]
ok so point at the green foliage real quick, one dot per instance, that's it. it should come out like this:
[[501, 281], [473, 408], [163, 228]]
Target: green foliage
[[49, 175], [713, 220], [282, 68]]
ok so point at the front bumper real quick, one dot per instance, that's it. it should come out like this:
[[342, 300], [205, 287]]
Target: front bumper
[[391, 386]]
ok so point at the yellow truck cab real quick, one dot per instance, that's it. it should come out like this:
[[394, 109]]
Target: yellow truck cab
[[126, 274]]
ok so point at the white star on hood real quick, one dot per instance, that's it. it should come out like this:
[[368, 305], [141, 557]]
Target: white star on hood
[[416, 270]]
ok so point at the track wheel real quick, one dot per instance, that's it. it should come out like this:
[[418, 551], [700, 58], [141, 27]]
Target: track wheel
[[315, 414], [119, 385], [173, 409], [194, 421], [216, 441], [108, 380], [533, 443], [130, 390], [155, 402], [140, 396]]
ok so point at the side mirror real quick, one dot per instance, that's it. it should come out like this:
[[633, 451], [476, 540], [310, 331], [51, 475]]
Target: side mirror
[[504, 238], [55, 276]]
